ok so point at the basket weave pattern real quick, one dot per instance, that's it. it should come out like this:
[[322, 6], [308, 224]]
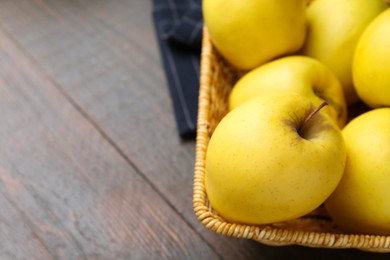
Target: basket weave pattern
[[314, 230]]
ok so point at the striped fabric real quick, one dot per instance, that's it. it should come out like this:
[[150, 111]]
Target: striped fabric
[[178, 25]]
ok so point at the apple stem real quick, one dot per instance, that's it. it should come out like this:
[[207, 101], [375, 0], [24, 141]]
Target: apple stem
[[312, 114]]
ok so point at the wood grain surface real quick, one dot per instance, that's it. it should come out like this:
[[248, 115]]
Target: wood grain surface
[[91, 165]]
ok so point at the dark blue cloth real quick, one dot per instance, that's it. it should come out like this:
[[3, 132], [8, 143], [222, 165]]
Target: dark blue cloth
[[178, 25]]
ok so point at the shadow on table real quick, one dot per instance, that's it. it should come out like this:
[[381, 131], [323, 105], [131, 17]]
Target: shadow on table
[[261, 251]]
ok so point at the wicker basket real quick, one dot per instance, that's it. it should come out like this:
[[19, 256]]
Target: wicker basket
[[313, 230]]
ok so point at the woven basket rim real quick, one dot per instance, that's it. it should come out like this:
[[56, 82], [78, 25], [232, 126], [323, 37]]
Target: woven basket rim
[[266, 234]]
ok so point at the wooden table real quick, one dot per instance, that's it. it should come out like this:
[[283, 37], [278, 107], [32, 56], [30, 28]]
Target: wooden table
[[91, 166]]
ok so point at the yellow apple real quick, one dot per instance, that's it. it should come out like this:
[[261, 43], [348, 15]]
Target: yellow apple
[[251, 32], [334, 28], [269, 161], [372, 62], [303, 75], [361, 202]]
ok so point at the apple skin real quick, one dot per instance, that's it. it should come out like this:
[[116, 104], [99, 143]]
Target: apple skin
[[251, 32], [361, 202], [259, 170], [299, 74], [371, 63], [332, 39]]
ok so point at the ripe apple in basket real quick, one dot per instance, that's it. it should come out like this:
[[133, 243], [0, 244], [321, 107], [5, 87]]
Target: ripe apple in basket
[[371, 62], [334, 29], [274, 158], [303, 75], [251, 32], [361, 202]]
